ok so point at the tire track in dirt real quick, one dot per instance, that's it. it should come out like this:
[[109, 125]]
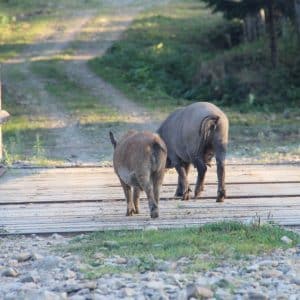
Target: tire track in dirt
[[71, 143], [110, 31], [67, 136]]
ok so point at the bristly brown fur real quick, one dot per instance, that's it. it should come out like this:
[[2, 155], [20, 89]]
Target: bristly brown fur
[[139, 161]]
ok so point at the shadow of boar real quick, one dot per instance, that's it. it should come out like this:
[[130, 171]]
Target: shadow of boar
[[139, 161], [193, 135]]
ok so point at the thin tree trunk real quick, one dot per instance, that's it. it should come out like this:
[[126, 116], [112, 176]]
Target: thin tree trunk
[[261, 23], [297, 15], [272, 33], [253, 26]]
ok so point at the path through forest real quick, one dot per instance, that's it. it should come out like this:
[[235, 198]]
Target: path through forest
[[71, 143]]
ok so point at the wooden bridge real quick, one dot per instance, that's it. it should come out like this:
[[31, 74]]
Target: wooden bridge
[[67, 200]]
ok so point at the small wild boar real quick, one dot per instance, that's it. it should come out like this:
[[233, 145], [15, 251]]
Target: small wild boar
[[193, 135], [139, 161]]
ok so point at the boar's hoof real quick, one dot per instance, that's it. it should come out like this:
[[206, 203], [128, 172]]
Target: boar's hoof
[[198, 193], [130, 212], [186, 196], [154, 213], [221, 196], [179, 192]]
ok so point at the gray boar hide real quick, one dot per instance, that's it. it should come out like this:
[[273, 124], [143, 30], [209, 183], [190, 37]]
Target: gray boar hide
[[193, 135]]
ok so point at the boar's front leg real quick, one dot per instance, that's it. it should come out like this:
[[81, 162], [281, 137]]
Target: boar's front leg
[[201, 169], [182, 181], [128, 194]]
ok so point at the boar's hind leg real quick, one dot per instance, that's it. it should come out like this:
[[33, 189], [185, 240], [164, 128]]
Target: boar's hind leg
[[153, 205], [182, 180], [201, 169], [220, 159], [136, 199], [157, 180], [146, 184], [128, 194]]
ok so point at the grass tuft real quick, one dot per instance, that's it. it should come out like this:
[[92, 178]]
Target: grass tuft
[[205, 247]]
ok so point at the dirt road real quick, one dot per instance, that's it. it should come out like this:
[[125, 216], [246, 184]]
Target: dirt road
[[70, 142]]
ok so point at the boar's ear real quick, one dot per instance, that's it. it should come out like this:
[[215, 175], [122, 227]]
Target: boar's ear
[[112, 139]]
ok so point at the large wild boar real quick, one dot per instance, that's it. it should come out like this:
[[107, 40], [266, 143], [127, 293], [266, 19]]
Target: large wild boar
[[193, 135], [139, 161]]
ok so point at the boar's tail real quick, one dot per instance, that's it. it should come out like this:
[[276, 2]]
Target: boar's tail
[[159, 154], [207, 129], [112, 139]]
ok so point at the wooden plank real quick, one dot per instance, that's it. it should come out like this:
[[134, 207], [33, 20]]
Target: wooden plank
[[42, 218], [85, 226], [78, 200], [108, 193], [103, 176], [34, 186], [20, 214], [287, 214]]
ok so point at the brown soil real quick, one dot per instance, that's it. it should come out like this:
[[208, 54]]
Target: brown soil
[[71, 143]]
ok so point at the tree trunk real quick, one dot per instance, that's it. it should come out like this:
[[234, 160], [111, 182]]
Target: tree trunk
[[272, 33], [297, 15], [261, 23], [254, 26], [250, 28]]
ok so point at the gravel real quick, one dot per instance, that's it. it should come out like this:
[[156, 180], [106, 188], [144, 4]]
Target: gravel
[[31, 269]]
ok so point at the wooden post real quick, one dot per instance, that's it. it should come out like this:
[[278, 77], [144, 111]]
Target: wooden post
[[1, 146], [4, 115]]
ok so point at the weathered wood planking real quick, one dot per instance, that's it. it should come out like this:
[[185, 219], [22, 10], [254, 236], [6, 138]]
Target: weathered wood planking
[[64, 213], [106, 176], [176, 207], [78, 184], [167, 192], [84, 199]]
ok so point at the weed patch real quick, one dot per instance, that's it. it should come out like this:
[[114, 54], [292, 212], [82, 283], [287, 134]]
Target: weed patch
[[203, 247], [178, 53]]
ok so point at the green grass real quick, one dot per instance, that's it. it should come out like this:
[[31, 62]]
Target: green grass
[[22, 25], [160, 52], [173, 55], [22, 22], [157, 63], [176, 53], [73, 98], [30, 118], [220, 241]]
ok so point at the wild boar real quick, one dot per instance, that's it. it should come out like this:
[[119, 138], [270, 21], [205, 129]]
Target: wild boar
[[139, 161], [194, 135]]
